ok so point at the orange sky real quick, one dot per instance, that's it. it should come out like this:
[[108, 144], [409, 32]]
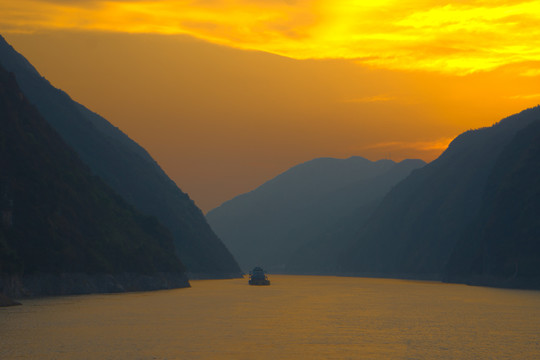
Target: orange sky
[[227, 94]]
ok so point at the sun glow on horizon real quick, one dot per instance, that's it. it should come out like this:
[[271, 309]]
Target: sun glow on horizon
[[373, 79], [457, 39]]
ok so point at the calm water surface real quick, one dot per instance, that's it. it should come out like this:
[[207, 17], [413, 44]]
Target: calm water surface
[[297, 317]]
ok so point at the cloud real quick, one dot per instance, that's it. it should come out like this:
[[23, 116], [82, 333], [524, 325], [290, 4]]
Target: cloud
[[531, 72], [525, 97], [459, 38], [439, 144]]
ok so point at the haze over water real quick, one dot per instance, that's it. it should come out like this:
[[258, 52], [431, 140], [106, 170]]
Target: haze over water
[[297, 317]]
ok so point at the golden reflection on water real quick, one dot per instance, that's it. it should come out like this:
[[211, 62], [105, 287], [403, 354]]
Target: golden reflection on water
[[297, 317]]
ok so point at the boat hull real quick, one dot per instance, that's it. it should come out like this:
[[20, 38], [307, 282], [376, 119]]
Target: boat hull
[[259, 282]]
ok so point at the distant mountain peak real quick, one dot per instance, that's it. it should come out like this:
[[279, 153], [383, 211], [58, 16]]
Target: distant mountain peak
[[270, 224]]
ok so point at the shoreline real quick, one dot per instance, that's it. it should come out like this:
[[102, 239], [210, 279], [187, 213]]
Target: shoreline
[[47, 284]]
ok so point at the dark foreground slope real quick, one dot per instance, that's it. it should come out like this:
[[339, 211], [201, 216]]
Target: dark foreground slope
[[62, 230], [272, 225], [416, 227], [502, 245], [127, 168]]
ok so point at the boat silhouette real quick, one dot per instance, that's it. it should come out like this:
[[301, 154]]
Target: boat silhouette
[[257, 276]]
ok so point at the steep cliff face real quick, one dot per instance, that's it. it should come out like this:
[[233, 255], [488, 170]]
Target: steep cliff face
[[57, 217], [281, 225], [418, 224], [127, 168], [502, 244]]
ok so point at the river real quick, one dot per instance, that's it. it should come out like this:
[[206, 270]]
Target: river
[[297, 317]]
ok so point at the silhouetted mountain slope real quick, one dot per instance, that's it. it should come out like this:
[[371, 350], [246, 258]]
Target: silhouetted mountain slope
[[502, 245], [56, 217], [270, 224], [127, 168], [417, 225], [321, 254]]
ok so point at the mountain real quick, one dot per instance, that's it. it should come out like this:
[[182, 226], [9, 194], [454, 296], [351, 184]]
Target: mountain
[[127, 168], [270, 225], [59, 220], [502, 245], [416, 227]]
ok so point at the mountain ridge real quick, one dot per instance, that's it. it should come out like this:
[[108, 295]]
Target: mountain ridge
[[127, 168], [59, 218], [268, 224], [500, 247], [417, 225]]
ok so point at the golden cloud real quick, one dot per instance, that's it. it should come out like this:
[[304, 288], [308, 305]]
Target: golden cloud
[[525, 96], [439, 144], [459, 38]]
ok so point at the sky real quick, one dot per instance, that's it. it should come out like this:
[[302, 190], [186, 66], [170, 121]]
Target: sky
[[228, 94]]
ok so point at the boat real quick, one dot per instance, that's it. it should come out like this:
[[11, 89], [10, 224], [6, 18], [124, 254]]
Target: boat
[[257, 276]]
